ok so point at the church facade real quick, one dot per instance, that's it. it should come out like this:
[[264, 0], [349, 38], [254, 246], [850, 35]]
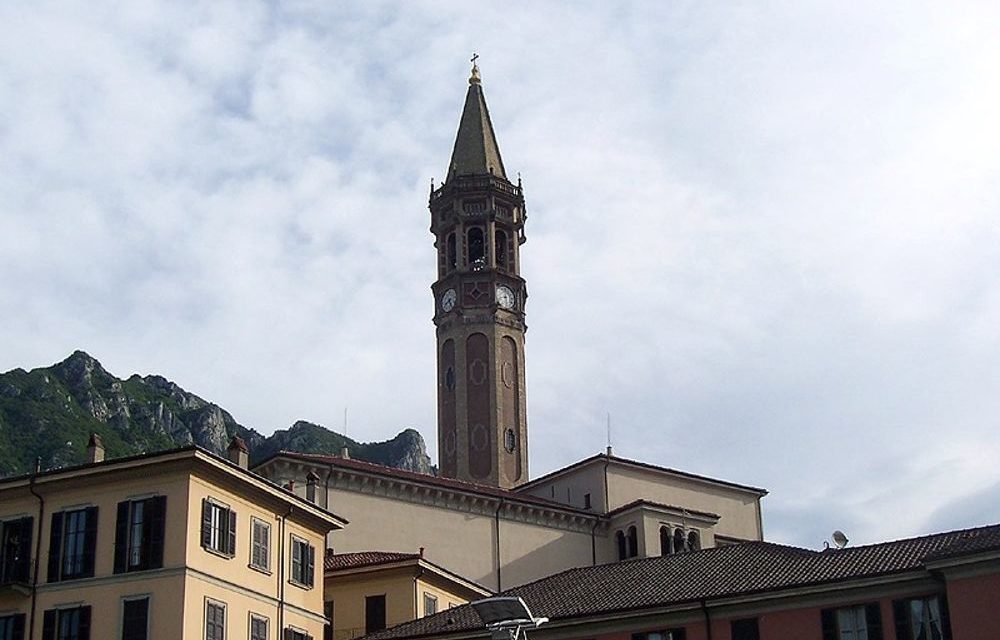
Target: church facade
[[483, 517]]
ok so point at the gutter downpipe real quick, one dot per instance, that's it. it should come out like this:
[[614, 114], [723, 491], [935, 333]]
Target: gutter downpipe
[[708, 620], [416, 599], [593, 542], [281, 573], [496, 517], [38, 547]]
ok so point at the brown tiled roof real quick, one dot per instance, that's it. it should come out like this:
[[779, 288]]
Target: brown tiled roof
[[444, 483], [743, 569], [360, 559]]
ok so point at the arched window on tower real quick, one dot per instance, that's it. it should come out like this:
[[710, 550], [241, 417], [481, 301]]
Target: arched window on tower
[[693, 541], [633, 542], [679, 540], [477, 249], [665, 541], [451, 256], [500, 249], [622, 550]]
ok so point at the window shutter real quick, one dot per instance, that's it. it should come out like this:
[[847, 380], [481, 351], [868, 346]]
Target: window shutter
[[901, 612], [84, 629], [55, 547], [49, 625], [18, 631], [945, 616], [873, 619], [310, 569], [288, 634], [828, 622], [121, 537], [157, 508], [206, 523], [89, 542], [22, 569], [231, 546]]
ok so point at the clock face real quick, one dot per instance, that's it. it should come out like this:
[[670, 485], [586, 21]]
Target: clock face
[[448, 299], [505, 297]]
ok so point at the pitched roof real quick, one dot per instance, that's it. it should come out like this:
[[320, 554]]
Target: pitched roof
[[336, 561], [722, 572], [613, 459], [476, 150], [484, 490]]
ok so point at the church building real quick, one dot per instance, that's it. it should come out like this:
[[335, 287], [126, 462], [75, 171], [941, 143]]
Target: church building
[[483, 517]]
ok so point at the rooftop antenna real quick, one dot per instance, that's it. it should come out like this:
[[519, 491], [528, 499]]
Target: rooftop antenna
[[345, 421], [610, 448], [506, 618]]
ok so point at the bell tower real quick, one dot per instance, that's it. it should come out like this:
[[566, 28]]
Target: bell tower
[[477, 218]]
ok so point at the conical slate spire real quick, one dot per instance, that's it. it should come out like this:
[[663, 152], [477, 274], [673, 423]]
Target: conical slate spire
[[476, 149]]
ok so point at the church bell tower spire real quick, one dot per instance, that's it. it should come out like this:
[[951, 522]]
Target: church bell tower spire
[[477, 218]]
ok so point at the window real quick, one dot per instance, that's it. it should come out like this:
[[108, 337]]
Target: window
[[328, 627], [620, 542], [863, 622], [451, 257], [693, 542], [218, 527], [71, 544], [12, 627], [633, 542], [922, 619], [668, 634], [139, 534], [66, 624], [586, 501], [680, 541], [303, 562], [135, 619], [430, 604], [745, 629], [374, 613], [500, 249], [15, 550], [665, 546], [260, 545], [477, 249], [296, 634], [258, 627], [215, 620]]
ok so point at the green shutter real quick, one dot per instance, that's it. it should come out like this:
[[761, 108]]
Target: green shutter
[[231, 538], [873, 619], [55, 547], [157, 510], [121, 537], [206, 523], [901, 612], [84, 628], [89, 542], [49, 625]]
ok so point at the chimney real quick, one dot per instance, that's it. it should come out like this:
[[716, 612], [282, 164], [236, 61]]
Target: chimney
[[311, 480], [611, 451], [344, 453], [238, 453], [95, 449]]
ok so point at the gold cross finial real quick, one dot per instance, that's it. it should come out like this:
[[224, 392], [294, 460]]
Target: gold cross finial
[[474, 78]]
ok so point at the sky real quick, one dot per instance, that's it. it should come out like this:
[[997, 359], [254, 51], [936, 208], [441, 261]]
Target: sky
[[763, 237]]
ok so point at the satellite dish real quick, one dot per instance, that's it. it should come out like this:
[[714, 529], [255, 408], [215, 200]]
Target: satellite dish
[[506, 617], [839, 539]]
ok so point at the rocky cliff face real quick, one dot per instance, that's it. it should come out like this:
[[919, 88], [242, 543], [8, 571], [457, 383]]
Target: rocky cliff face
[[50, 413]]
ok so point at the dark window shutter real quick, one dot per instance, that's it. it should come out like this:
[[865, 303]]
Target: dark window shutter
[[945, 616], [828, 622], [121, 537], [310, 571], [901, 612], [55, 547], [206, 523], [84, 629], [157, 508], [231, 545], [22, 567], [289, 634], [18, 630], [873, 619], [89, 542], [49, 625], [134, 619]]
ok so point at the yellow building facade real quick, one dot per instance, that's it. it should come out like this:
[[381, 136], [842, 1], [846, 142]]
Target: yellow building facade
[[174, 545]]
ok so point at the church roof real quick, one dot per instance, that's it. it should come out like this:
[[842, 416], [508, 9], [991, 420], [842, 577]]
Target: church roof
[[476, 150], [684, 580]]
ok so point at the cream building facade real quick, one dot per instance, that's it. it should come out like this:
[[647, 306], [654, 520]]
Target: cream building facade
[[173, 545]]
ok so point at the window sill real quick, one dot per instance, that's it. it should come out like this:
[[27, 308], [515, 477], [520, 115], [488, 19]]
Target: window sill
[[264, 570], [298, 584], [216, 552]]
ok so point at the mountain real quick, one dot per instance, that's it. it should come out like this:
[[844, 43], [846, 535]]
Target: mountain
[[49, 413]]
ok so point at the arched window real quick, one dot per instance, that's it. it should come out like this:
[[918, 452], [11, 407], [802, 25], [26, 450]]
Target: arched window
[[500, 249], [633, 542], [477, 249], [622, 551], [693, 541], [678, 540], [664, 541], [451, 257]]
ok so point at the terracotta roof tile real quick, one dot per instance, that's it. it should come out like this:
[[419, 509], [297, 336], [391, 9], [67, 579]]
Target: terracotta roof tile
[[337, 561]]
